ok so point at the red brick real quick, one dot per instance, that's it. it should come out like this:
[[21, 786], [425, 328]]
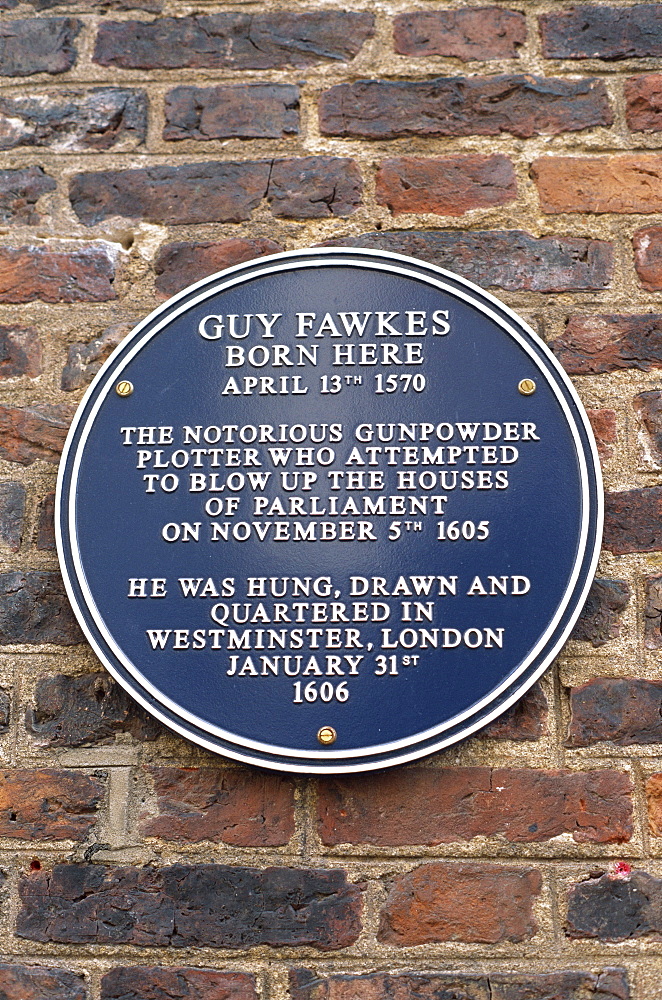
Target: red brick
[[12, 514], [36, 272], [633, 521], [140, 982], [615, 908], [239, 807], [72, 120], [44, 539], [234, 40], [32, 433], [20, 352], [599, 620], [603, 423], [443, 805], [37, 982], [521, 105], [85, 360], [592, 31], [446, 186], [179, 265], [624, 183], [48, 804], [525, 720], [653, 612], [654, 804], [643, 103], [34, 609], [620, 710], [648, 407], [592, 345], [37, 45], [478, 33], [184, 906], [647, 245], [20, 190], [448, 901], [250, 111]]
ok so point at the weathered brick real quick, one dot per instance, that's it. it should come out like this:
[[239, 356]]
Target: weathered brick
[[184, 906], [592, 31], [643, 103], [44, 535], [20, 352], [12, 513], [39, 982], [479, 33], [5, 713], [633, 521], [654, 804], [153, 6], [30, 433], [648, 408], [250, 111], [647, 245], [631, 182], [621, 710], [37, 45], [603, 423], [179, 265], [653, 613], [599, 620], [438, 806], [48, 804], [511, 259], [20, 190], [525, 720], [234, 40], [521, 105], [615, 908], [140, 982], [72, 711], [450, 185], [610, 984], [73, 120], [449, 901], [314, 187], [37, 272], [591, 345], [85, 360], [240, 807], [34, 609]]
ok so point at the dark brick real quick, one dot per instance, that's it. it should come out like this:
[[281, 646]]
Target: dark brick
[[615, 908], [44, 535], [85, 360], [12, 513], [234, 40], [643, 103], [603, 424], [599, 620], [525, 720], [592, 345], [38, 982], [34, 609], [185, 906], [633, 521], [183, 195], [628, 183], [648, 407], [20, 190], [450, 185], [154, 6], [314, 187], [596, 32], [48, 804], [20, 352], [442, 805], [251, 111], [37, 45], [240, 807], [621, 710], [86, 709], [5, 713], [647, 245], [481, 33], [511, 259], [521, 105], [37, 272], [34, 432], [139, 982], [70, 121], [653, 613], [450, 901], [179, 265]]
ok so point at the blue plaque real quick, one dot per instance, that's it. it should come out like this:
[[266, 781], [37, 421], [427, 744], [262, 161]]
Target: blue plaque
[[329, 511]]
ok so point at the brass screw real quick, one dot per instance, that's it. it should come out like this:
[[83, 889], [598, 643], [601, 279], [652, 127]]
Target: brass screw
[[124, 388], [327, 735], [527, 387]]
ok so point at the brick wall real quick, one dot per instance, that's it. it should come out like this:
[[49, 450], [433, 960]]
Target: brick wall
[[147, 143]]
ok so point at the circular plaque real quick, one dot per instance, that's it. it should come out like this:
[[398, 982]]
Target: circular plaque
[[329, 511]]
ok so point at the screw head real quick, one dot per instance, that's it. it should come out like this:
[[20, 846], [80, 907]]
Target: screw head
[[124, 388], [327, 735], [527, 386]]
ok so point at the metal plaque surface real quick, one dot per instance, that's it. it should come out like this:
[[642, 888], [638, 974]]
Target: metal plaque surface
[[329, 510]]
